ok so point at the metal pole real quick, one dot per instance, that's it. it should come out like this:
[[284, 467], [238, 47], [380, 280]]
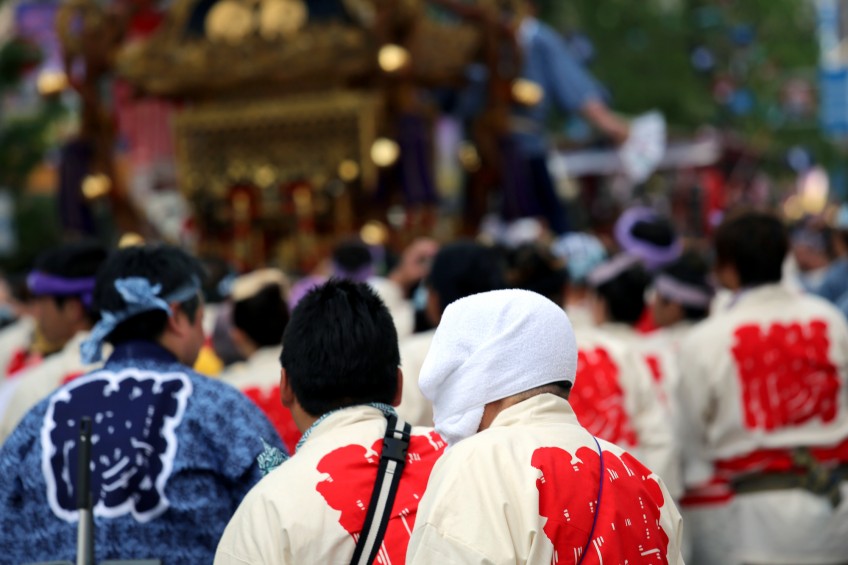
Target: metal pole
[[85, 527]]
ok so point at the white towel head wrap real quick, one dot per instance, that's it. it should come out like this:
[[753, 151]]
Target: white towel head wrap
[[491, 346]]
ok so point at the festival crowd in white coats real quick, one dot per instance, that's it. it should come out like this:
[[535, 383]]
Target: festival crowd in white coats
[[713, 373]]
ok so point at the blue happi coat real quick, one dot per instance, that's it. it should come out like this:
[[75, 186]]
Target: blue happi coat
[[173, 454]]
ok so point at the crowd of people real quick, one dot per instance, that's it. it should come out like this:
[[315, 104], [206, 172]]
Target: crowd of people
[[526, 397]]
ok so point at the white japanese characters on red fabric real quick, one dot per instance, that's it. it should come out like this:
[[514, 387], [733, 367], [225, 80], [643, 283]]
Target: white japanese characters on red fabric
[[627, 526]]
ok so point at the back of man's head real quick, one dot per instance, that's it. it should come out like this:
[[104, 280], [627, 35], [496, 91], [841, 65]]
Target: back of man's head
[[465, 268], [164, 270], [340, 349], [259, 306], [219, 278], [353, 260], [685, 283], [621, 284], [533, 267], [68, 271], [755, 245]]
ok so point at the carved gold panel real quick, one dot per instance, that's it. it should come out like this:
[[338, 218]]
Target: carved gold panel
[[268, 143]]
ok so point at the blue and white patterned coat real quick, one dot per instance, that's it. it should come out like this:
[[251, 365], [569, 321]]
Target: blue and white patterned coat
[[173, 454]]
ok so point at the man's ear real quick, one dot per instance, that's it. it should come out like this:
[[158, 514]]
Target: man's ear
[[399, 393], [286, 393]]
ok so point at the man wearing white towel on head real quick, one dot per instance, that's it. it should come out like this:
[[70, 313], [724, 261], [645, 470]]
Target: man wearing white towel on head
[[522, 481], [460, 269]]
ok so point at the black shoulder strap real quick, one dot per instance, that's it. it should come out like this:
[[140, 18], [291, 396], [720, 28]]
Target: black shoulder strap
[[392, 462]]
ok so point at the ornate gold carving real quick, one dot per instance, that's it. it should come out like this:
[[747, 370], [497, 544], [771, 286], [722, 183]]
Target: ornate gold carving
[[275, 142], [266, 44]]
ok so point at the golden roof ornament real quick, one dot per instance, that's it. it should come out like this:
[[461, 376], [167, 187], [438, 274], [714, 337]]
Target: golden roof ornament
[[281, 18], [229, 21]]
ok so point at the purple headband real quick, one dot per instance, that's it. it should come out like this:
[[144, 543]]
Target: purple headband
[[43, 284], [654, 257], [682, 293], [611, 269], [360, 275]]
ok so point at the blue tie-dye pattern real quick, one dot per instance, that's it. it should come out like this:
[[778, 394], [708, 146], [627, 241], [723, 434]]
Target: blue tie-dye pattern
[[219, 437]]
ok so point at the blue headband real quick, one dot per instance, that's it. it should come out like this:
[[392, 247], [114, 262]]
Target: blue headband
[[140, 296]]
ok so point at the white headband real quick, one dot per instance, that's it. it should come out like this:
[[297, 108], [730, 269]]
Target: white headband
[[611, 269], [491, 346], [681, 292]]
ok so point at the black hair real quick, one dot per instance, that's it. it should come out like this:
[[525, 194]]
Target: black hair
[[218, 273], [78, 260], [755, 244], [624, 295], [263, 316], [533, 267], [340, 348], [842, 234], [657, 231], [465, 268], [352, 255], [165, 265], [692, 269]]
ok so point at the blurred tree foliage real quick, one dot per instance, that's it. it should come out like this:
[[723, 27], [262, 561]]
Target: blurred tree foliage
[[745, 67], [25, 139]]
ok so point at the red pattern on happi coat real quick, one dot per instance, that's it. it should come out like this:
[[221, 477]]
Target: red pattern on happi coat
[[268, 400], [351, 472], [786, 377], [72, 376], [598, 399], [22, 359], [653, 363], [628, 527]]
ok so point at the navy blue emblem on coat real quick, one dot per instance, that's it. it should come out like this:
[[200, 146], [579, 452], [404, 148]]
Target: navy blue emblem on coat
[[134, 416]]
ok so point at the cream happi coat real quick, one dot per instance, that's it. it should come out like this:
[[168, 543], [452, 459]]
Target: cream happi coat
[[763, 377], [414, 407], [524, 491], [705, 508], [310, 509], [36, 383], [661, 351], [259, 378], [616, 399]]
